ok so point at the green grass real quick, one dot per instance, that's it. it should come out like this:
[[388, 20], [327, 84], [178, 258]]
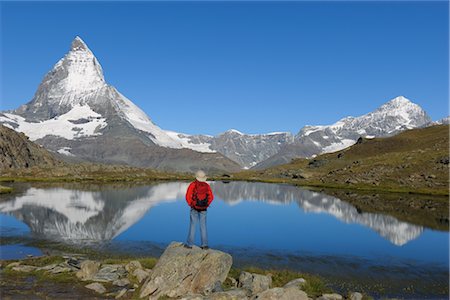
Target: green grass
[[5, 189], [43, 261], [146, 262], [401, 163], [380, 164], [315, 286]]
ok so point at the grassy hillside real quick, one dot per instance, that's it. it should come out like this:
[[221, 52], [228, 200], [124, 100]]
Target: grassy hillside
[[415, 161]]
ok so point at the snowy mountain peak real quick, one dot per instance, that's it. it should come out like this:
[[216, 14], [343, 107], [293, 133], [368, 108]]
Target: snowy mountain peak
[[233, 131], [78, 44], [390, 118], [71, 82], [401, 107], [73, 77], [398, 102], [78, 71]]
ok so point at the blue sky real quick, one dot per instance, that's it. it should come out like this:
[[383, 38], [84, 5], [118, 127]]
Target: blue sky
[[206, 67]]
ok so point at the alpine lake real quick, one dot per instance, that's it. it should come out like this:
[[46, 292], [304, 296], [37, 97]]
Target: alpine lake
[[270, 226]]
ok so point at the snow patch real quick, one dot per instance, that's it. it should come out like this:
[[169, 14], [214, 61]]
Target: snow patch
[[186, 142], [313, 129], [170, 139], [338, 146], [234, 131], [65, 151], [60, 126]]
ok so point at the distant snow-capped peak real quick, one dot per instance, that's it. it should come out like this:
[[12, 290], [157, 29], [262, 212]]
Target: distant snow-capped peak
[[401, 107], [390, 118]]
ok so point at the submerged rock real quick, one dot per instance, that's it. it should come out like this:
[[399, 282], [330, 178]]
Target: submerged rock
[[181, 271]]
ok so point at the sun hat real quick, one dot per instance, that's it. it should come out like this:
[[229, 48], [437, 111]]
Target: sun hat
[[200, 176]]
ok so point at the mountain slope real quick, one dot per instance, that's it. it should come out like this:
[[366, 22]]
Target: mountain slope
[[16, 151], [415, 160], [245, 149], [389, 119], [76, 113]]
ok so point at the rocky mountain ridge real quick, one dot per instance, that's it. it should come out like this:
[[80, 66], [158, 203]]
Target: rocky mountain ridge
[[16, 151], [76, 113], [393, 117]]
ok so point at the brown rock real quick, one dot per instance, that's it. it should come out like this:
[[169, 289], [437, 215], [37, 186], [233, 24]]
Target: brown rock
[[88, 269], [140, 274], [254, 283], [133, 265], [282, 294], [180, 271], [98, 287]]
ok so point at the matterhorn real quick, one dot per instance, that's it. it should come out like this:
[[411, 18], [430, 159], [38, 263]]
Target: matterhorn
[[76, 113]]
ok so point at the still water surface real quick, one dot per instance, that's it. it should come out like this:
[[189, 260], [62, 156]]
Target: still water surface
[[300, 229]]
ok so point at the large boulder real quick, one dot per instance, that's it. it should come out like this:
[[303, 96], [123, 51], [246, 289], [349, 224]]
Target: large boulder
[[181, 271]]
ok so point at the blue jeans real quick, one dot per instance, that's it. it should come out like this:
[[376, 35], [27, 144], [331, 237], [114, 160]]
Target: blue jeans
[[195, 216]]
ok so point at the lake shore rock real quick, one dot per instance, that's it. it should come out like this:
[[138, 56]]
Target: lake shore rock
[[254, 283], [291, 292], [181, 271], [98, 287], [88, 269]]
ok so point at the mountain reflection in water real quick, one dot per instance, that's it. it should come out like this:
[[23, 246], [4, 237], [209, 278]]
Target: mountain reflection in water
[[101, 215]]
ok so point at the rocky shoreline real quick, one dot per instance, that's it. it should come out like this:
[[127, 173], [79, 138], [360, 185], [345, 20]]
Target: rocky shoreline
[[180, 273]]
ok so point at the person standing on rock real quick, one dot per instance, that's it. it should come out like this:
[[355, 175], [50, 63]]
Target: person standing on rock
[[198, 196]]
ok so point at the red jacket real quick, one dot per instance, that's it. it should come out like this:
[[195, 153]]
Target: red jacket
[[190, 191]]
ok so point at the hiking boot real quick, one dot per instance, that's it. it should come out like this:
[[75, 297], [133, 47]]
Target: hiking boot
[[187, 246], [205, 247]]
